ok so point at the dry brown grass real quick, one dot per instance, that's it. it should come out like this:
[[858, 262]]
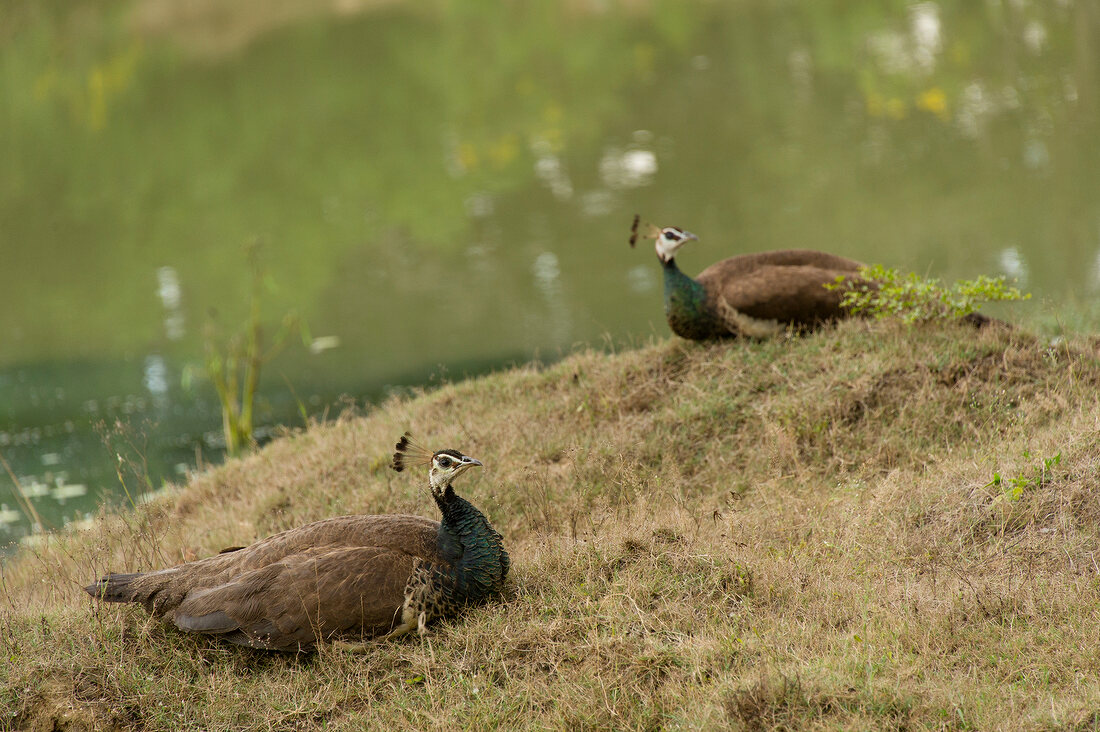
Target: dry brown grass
[[799, 534]]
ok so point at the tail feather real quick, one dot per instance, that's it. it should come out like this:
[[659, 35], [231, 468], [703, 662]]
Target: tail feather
[[115, 588]]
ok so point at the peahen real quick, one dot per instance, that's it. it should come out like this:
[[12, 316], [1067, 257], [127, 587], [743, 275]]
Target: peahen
[[350, 578], [754, 295]]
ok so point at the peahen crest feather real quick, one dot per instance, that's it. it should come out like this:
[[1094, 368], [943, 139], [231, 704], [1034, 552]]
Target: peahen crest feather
[[408, 453]]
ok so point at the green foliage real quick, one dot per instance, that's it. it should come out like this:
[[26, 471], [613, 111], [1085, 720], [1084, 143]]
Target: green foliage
[[886, 292], [234, 366], [1039, 475]]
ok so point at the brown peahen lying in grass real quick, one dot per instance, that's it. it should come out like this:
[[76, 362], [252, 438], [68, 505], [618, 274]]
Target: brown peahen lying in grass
[[350, 578], [755, 295]]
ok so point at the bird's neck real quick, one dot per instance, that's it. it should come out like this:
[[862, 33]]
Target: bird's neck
[[454, 507], [675, 278], [682, 293], [461, 520], [470, 543], [688, 312]]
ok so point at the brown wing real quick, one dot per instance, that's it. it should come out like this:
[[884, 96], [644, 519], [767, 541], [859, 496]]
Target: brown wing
[[317, 594], [414, 534], [162, 591], [793, 294], [745, 264]]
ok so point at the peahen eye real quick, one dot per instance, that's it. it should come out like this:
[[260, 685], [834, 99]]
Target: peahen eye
[[445, 462], [672, 235]]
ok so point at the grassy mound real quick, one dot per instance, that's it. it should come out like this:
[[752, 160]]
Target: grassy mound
[[869, 527]]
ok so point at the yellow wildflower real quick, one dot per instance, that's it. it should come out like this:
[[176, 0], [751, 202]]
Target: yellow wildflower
[[935, 101]]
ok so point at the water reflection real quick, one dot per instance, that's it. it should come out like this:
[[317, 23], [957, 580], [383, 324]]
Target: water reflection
[[557, 326], [1036, 155], [925, 31], [628, 168], [320, 344], [550, 169], [641, 279], [1012, 265], [597, 203], [976, 106], [479, 205], [33, 489], [168, 290], [156, 375], [9, 516], [63, 491], [1035, 36]]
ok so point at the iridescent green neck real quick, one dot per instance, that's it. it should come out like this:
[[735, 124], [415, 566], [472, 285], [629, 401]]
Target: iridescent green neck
[[473, 546], [686, 308]]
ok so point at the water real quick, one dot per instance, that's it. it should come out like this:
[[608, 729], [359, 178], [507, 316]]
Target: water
[[442, 188]]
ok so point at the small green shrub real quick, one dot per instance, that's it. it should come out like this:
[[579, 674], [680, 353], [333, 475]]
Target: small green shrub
[[1040, 475], [234, 366], [885, 292]]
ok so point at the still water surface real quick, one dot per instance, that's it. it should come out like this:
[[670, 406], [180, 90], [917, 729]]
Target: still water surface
[[443, 188]]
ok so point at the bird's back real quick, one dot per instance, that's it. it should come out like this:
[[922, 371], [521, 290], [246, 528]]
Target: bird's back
[[745, 264], [779, 287], [162, 591]]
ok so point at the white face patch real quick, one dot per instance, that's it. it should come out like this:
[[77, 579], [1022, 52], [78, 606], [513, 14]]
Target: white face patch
[[670, 240], [445, 467]]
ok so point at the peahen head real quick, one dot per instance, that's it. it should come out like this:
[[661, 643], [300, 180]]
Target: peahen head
[[445, 465], [669, 240]]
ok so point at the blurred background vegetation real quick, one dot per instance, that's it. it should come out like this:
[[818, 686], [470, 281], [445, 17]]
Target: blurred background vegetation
[[446, 187]]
